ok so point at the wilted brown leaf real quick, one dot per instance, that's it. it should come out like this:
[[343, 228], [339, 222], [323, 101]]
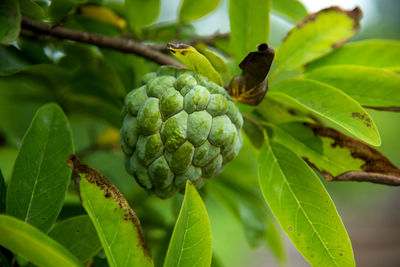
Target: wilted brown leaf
[[250, 86], [377, 168]]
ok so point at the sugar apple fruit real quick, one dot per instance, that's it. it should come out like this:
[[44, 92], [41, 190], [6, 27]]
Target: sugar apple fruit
[[178, 126]]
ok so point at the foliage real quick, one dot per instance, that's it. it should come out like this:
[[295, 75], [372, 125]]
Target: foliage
[[74, 77]]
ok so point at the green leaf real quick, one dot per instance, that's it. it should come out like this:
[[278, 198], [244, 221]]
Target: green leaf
[[316, 36], [368, 86], [32, 244], [332, 104], [141, 12], [12, 60], [195, 61], [291, 9], [190, 243], [195, 9], [370, 53], [303, 208], [116, 223], [3, 191], [10, 20], [31, 9], [216, 60], [249, 22], [40, 178], [336, 156], [78, 235], [319, 151], [277, 110]]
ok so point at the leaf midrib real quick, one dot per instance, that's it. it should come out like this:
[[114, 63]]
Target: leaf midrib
[[100, 228], [301, 208], [40, 167]]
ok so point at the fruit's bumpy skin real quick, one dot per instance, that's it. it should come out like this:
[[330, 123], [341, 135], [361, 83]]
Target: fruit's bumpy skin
[[178, 126]]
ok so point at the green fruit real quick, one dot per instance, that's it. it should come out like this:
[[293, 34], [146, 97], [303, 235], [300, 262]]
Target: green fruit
[[178, 126]]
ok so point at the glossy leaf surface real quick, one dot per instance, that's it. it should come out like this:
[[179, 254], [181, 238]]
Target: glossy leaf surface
[[249, 22], [34, 245], [40, 177], [316, 36], [190, 243], [321, 152], [332, 104], [368, 86], [370, 53], [303, 208]]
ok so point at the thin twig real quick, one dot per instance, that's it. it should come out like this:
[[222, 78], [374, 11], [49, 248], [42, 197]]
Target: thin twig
[[121, 44], [393, 109], [375, 178]]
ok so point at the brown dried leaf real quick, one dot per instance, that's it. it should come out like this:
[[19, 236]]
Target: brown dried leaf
[[377, 168], [251, 86]]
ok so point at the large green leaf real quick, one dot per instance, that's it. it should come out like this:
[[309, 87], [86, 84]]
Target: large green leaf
[[40, 178], [78, 235], [10, 21], [116, 223], [141, 12], [303, 208], [3, 191], [319, 151], [249, 25], [190, 243], [291, 9], [315, 36], [371, 53], [32, 244], [369, 86], [195, 9], [332, 104]]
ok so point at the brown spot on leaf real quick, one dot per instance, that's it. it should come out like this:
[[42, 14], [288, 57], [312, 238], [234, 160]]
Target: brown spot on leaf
[[367, 121], [377, 168], [110, 191]]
